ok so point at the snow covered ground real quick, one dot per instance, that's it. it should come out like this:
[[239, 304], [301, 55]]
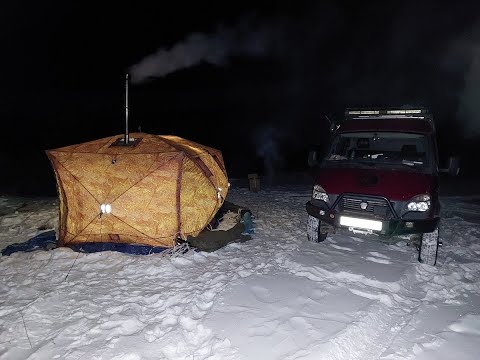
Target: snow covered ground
[[276, 296]]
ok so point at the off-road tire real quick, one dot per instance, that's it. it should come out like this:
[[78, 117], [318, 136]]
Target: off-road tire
[[313, 230], [427, 254]]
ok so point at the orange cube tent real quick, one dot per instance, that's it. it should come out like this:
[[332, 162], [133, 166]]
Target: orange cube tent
[[151, 192]]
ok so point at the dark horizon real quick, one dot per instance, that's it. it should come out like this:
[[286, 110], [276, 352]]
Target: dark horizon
[[263, 93]]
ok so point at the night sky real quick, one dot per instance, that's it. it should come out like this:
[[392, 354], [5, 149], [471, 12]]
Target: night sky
[[256, 79]]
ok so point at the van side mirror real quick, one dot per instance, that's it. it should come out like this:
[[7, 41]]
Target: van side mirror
[[453, 166]]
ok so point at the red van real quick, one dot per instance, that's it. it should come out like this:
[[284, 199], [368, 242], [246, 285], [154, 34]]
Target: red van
[[380, 177]]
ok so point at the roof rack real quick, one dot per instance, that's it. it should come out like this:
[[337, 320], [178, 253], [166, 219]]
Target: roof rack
[[389, 113]]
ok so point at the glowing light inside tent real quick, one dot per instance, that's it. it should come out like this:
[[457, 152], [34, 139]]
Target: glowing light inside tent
[[105, 208]]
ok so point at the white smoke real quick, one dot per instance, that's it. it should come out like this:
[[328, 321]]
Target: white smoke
[[213, 48], [464, 58], [267, 138], [469, 108]]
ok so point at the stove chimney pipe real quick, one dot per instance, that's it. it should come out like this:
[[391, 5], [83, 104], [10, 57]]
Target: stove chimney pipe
[[126, 140]]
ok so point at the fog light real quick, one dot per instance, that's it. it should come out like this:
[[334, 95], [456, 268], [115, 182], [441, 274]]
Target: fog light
[[322, 212]]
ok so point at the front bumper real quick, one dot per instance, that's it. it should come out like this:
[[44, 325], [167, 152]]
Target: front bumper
[[391, 227]]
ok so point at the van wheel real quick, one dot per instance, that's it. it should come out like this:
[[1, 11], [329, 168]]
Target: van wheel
[[428, 251], [313, 230]]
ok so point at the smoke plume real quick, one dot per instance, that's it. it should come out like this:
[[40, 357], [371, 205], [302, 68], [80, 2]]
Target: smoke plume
[[267, 139], [469, 108], [213, 48]]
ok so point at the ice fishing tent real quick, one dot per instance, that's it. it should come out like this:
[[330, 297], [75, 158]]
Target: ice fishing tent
[[153, 191]]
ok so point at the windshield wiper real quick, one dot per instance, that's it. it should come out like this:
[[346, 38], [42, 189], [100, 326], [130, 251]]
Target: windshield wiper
[[411, 163], [350, 162]]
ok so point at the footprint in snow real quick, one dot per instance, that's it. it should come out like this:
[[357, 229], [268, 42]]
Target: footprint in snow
[[377, 260], [377, 254], [338, 247]]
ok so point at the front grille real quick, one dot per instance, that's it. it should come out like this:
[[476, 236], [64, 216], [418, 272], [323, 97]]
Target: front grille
[[354, 204], [376, 207]]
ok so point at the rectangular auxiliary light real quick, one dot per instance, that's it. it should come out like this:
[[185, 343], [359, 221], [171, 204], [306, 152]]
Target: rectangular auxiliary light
[[361, 223], [364, 112], [409, 111]]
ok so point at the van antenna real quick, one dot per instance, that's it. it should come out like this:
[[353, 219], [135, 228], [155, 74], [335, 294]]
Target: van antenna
[[126, 140]]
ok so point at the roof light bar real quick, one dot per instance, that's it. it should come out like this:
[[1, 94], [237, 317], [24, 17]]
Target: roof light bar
[[364, 112], [410, 111], [391, 112]]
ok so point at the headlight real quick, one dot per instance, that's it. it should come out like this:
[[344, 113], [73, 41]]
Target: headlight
[[319, 193], [419, 203]]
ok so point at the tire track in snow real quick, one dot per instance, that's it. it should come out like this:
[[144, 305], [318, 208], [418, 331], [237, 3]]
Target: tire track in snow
[[389, 311]]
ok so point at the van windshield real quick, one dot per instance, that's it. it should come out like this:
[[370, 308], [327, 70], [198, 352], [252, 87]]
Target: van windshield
[[382, 148]]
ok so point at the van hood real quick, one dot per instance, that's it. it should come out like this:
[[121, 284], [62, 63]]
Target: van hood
[[392, 184]]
